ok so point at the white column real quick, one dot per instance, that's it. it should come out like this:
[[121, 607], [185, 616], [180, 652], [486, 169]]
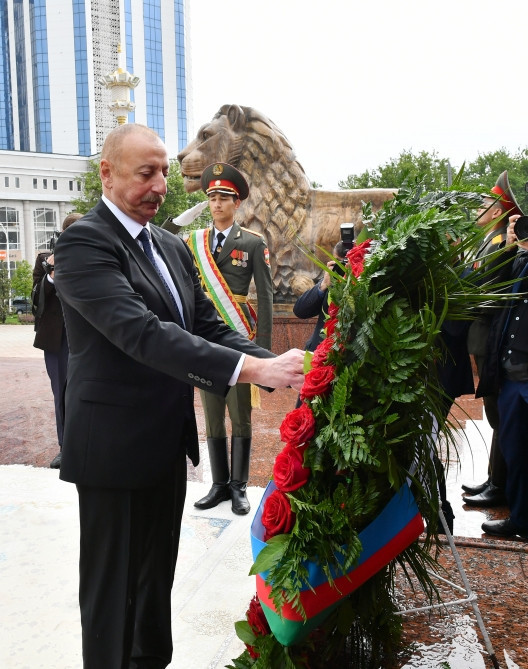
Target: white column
[[29, 232]]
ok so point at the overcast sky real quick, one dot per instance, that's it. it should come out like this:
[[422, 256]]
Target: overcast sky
[[352, 84]]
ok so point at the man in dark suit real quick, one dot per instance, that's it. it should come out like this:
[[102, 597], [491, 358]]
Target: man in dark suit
[[141, 333], [50, 332], [229, 257]]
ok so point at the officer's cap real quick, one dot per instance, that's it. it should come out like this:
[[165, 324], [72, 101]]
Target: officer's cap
[[224, 178], [507, 198]]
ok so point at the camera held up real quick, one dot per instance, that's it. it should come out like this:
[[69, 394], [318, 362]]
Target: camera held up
[[347, 235], [53, 240], [520, 228], [347, 239], [48, 267]]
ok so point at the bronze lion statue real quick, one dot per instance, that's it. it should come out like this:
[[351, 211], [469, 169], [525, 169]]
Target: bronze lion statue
[[281, 204]]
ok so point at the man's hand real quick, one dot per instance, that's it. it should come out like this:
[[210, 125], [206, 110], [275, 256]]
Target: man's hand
[[325, 283], [510, 234], [280, 372]]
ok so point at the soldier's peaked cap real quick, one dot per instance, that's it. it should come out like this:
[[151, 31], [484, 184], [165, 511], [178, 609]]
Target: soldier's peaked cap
[[224, 178], [507, 198]]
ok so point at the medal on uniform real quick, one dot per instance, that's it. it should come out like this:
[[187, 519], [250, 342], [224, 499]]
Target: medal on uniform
[[237, 257]]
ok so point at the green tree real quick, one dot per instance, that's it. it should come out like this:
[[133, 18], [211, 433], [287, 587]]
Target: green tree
[[176, 202], [22, 280], [5, 291], [481, 174], [406, 166], [91, 188]]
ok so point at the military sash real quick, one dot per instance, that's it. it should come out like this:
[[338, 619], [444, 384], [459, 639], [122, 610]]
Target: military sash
[[216, 286]]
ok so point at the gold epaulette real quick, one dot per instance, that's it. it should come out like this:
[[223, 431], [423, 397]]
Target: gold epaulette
[[498, 239], [253, 232]]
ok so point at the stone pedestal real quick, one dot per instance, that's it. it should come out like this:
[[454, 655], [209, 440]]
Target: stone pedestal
[[290, 331]]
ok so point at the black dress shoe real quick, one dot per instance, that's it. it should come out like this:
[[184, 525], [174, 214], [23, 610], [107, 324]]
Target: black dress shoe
[[502, 528], [219, 493], [56, 462], [240, 504], [475, 489], [490, 496]]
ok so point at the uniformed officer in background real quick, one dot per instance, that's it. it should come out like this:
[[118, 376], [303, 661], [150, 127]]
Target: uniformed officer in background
[[493, 215], [228, 257]]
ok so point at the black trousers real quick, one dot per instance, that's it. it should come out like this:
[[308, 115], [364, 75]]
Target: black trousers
[[57, 368], [129, 546]]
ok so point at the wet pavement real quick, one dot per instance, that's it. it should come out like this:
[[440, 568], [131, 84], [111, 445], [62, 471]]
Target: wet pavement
[[39, 624]]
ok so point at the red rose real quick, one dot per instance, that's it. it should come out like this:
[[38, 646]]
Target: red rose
[[333, 310], [252, 651], [320, 355], [258, 623], [298, 426], [289, 473], [256, 618], [317, 381], [356, 257], [330, 326], [277, 516]]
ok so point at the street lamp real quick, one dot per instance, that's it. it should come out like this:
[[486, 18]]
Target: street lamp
[[120, 83], [6, 233]]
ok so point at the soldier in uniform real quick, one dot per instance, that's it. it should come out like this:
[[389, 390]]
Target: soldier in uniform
[[498, 209], [228, 257]]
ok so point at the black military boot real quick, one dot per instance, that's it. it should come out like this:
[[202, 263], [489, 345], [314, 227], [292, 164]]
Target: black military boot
[[240, 451], [220, 491]]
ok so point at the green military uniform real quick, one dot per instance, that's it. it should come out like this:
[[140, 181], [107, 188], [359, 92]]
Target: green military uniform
[[243, 257]]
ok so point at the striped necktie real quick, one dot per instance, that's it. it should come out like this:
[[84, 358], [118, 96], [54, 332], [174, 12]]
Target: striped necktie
[[145, 243]]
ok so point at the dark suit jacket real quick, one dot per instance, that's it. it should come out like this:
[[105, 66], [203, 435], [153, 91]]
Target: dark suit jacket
[[310, 304], [49, 327], [490, 380], [479, 329], [129, 397]]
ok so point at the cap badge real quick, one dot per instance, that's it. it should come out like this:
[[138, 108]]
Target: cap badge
[[217, 170]]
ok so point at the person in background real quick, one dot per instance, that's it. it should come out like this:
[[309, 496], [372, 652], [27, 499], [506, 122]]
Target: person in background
[[314, 301], [228, 258], [50, 332], [142, 334], [490, 493], [505, 373]]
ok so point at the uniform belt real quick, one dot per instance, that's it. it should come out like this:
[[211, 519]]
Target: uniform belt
[[240, 299], [515, 371]]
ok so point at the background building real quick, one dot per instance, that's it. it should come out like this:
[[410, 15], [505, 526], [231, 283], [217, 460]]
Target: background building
[[54, 113]]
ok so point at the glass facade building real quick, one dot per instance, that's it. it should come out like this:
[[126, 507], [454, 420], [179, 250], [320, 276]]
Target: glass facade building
[[54, 112], [53, 52]]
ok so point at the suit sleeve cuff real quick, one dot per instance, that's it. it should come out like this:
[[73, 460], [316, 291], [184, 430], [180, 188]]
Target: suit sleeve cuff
[[236, 373]]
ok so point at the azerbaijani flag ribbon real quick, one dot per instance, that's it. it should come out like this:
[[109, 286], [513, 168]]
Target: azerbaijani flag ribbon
[[396, 527]]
